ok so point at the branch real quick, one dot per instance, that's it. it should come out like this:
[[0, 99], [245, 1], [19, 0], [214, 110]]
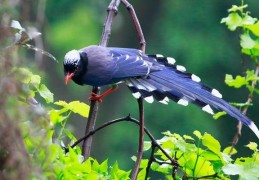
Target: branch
[[151, 159], [249, 101], [142, 42], [136, 23], [130, 119], [134, 173], [87, 144], [112, 11]]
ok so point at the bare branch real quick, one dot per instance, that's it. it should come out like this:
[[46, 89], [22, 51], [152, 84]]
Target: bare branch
[[130, 119], [112, 11], [87, 144], [136, 23], [249, 101], [151, 159], [134, 173], [140, 100]]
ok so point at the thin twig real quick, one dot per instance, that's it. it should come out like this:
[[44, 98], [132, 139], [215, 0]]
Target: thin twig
[[249, 101], [142, 43], [151, 159], [130, 119], [87, 144], [112, 11], [136, 23], [134, 173]]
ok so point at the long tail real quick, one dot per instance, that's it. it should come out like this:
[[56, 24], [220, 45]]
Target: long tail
[[175, 84]]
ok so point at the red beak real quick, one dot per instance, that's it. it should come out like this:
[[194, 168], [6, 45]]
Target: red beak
[[68, 77]]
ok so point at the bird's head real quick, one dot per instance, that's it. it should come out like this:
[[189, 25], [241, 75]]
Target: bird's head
[[73, 65]]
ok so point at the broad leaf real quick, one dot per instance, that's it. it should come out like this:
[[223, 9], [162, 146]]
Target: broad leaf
[[247, 42], [232, 21], [76, 107], [254, 28], [238, 82], [45, 93], [211, 143]]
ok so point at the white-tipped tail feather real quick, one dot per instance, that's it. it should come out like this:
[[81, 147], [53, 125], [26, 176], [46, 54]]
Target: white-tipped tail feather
[[254, 128]]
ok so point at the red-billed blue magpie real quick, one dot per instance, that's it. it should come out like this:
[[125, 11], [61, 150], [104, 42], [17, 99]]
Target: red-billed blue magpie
[[147, 76]]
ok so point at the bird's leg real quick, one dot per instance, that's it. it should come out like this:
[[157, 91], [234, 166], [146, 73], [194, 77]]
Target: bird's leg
[[99, 98]]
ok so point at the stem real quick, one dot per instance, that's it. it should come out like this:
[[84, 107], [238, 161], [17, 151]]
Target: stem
[[136, 24], [112, 11], [140, 100], [87, 143], [141, 139], [127, 118], [249, 101], [151, 159]]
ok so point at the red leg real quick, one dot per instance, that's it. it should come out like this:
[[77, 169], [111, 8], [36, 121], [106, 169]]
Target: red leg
[[99, 98]]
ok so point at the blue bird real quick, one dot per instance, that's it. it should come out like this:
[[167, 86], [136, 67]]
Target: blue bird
[[152, 77]]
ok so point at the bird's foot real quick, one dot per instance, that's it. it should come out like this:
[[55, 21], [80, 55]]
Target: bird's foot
[[99, 98], [96, 97]]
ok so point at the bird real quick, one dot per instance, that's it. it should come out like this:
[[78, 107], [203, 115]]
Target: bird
[[151, 77]]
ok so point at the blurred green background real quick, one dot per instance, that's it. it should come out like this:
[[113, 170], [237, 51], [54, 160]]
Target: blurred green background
[[190, 31]]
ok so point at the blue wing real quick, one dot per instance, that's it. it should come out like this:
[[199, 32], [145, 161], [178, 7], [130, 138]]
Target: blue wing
[[131, 63]]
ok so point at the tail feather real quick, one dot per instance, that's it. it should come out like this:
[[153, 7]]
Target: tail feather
[[182, 88]]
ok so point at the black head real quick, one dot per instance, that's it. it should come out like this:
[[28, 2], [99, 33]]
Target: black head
[[75, 65]]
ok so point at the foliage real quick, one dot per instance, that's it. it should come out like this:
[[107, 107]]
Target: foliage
[[201, 157], [41, 122], [239, 19], [55, 161]]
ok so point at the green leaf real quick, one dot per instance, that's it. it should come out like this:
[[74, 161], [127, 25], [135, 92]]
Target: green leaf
[[227, 150], [70, 135], [219, 114], [142, 174], [254, 28], [187, 137], [208, 155], [240, 105], [45, 93], [247, 20], [232, 21], [238, 82], [252, 146], [232, 169], [24, 75], [104, 166], [35, 80], [211, 143], [118, 174], [147, 145], [247, 171], [143, 163], [247, 42], [235, 8], [198, 134], [55, 117], [76, 107]]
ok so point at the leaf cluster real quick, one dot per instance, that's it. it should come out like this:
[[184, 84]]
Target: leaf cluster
[[239, 19], [201, 157]]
